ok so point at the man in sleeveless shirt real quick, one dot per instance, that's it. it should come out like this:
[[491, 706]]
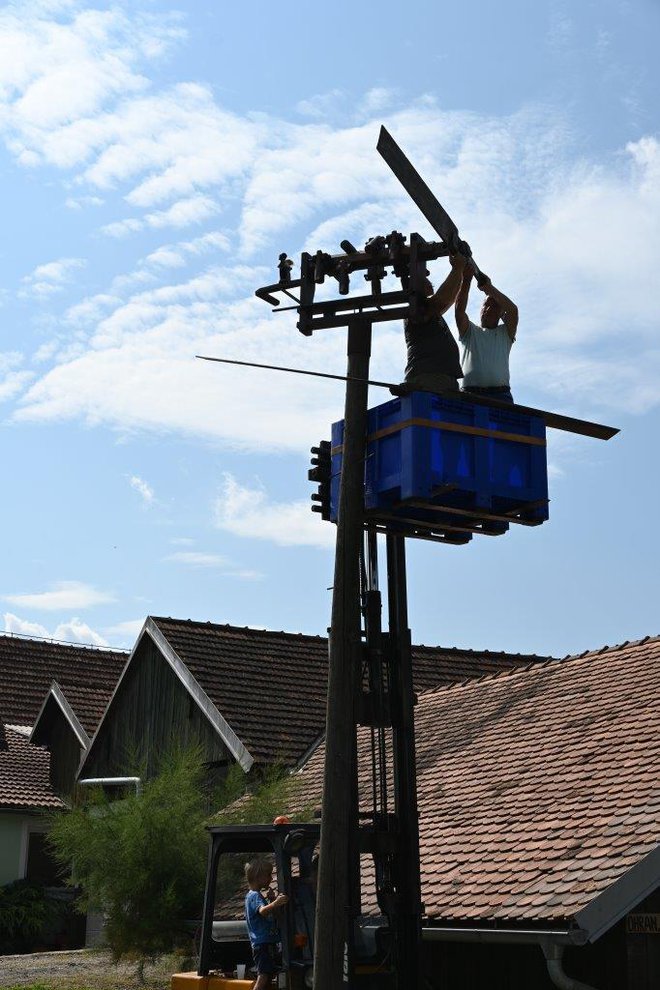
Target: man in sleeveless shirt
[[433, 360], [486, 348]]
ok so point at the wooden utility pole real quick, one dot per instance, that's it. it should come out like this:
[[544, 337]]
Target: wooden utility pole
[[339, 861]]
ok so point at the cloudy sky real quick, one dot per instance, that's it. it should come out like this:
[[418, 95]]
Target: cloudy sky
[[155, 159]]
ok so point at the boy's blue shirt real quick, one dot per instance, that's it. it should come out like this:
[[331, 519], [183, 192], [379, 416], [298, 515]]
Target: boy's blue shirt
[[260, 929]]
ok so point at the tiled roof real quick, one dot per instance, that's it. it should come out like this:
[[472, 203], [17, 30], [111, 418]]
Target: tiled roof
[[28, 666], [24, 781], [538, 789], [271, 686]]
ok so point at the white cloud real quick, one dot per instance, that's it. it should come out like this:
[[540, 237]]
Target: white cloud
[[76, 631], [248, 512], [59, 65], [322, 105], [516, 196], [197, 558], [176, 255], [144, 490], [51, 277], [73, 630], [13, 383], [184, 212], [376, 101], [166, 257], [127, 631], [62, 595], [201, 559], [23, 627], [92, 309], [194, 209], [538, 219], [80, 202]]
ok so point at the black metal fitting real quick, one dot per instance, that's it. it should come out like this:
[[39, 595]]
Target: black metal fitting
[[342, 272], [284, 268], [322, 266], [376, 247], [395, 244]]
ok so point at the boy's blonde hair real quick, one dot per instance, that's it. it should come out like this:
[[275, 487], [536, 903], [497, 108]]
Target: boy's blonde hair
[[258, 869]]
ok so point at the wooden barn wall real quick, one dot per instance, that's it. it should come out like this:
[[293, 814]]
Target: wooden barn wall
[[150, 713], [64, 746], [464, 966], [65, 754]]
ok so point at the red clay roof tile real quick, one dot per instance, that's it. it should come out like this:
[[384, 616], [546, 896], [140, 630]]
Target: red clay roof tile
[[24, 774], [539, 790], [287, 672], [28, 666]]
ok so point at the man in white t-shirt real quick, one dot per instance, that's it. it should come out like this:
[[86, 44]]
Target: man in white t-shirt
[[485, 349]]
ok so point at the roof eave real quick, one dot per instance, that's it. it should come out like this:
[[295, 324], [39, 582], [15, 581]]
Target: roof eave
[[621, 896], [509, 936], [26, 808]]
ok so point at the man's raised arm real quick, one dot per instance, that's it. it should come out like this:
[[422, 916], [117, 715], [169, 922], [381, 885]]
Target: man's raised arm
[[460, 313], [441, 301], [509, 308]]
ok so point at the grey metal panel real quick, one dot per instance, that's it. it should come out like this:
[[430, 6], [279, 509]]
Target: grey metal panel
[[620, 897]]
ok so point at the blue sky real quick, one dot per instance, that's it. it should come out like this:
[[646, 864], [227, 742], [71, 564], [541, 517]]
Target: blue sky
[[155, 160]]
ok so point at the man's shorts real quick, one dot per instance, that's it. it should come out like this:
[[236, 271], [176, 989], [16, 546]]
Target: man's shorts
[[266, 958]]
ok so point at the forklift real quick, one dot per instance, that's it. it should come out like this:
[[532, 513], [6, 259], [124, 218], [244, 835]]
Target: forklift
[[225, 956], [438, 467]]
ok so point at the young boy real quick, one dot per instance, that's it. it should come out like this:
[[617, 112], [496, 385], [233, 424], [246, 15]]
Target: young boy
[[260, 918]]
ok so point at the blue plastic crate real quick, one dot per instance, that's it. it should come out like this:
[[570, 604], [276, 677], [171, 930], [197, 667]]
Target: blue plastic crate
[[439, 453]]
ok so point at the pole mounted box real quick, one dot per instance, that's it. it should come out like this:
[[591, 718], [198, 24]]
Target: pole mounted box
[[448, 467]]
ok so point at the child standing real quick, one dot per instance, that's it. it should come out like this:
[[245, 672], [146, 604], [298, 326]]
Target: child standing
[[260, 918]]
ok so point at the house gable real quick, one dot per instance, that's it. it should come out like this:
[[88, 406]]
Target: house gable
[[58, 729], [156, 705]]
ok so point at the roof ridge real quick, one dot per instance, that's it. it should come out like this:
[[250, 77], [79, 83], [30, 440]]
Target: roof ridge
[[532, 657], [233, 628], [610, 649], [537, 664], [492, 675], [7, 634], [464, 651]]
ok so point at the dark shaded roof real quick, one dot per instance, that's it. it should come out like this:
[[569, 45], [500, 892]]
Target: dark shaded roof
[[24, 774], [271, 686], [539, 790], [28, 666]]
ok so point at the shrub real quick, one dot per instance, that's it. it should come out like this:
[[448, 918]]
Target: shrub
[[24, 912], [141, 859]]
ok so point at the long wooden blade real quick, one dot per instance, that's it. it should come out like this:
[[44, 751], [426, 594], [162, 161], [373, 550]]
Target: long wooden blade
[[416, 188]]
